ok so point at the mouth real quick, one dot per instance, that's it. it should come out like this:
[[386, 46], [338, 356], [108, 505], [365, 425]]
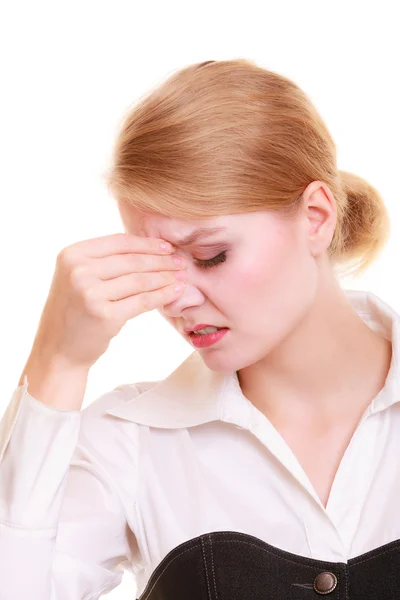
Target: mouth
[[209, 337], [202, 328]]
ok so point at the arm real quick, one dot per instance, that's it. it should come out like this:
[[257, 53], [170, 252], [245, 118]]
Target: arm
[[63, 529]]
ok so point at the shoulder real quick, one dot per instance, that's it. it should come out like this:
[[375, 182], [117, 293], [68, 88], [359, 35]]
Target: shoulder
[[122, 393], [100, 428], [109, 447]]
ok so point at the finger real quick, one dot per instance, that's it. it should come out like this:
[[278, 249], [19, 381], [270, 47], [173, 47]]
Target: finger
[[136, 284], [119, 243], [139, 303]]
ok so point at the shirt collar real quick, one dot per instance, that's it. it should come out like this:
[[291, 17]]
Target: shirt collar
[[193, 394]]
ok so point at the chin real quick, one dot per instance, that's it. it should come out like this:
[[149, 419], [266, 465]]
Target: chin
[[223, 361]]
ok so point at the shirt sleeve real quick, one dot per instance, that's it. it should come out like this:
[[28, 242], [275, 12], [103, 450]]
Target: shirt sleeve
[[63, 528]]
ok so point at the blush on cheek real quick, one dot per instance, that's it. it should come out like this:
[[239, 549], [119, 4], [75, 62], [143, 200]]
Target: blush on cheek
[[262, 272], [245, 289]]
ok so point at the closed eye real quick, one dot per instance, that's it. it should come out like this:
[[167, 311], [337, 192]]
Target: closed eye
[[211, 262]]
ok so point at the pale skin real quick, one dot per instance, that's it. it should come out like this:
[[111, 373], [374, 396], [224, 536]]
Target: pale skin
[[303, 356]]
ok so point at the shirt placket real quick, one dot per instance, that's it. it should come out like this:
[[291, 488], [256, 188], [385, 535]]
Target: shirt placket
[[323, 538], [354, 477]]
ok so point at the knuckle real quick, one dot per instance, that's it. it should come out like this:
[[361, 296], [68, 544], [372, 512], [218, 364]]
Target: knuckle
[[162, 280], [78, 276], [126, 241], [140, 284], [153, 280], [90, 300], [147, 302], [103, 311], [168, 291], [170, 279], [140, 262], [66, 257]]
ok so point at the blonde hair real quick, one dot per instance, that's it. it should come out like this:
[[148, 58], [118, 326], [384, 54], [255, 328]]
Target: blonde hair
[[226, 137]]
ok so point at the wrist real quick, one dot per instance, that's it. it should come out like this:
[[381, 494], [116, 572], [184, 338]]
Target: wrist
[[54, 381]]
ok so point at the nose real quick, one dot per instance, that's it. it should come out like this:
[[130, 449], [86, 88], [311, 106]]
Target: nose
[[190, 296]]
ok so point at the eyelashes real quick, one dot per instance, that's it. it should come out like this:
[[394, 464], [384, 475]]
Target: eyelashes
[[212, 262]]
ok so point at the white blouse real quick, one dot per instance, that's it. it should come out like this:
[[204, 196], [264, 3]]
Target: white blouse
[[85, 495]]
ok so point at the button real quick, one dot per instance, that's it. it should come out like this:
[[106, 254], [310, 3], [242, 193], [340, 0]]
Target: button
[[325, 582]]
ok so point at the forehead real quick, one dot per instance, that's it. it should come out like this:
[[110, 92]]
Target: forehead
[[250, 225], [169, 228]]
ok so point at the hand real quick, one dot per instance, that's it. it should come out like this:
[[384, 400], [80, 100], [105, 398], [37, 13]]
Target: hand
[[98, 285]]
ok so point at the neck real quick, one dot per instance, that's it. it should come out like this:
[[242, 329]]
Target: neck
[[330, 367]]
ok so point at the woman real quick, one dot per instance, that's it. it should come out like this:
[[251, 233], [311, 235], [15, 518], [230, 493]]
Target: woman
[[266, 465]]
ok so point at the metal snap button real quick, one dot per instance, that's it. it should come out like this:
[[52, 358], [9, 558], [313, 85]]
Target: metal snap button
[[325, 582]]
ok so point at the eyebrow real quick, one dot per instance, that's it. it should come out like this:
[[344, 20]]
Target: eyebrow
[[196, 234]]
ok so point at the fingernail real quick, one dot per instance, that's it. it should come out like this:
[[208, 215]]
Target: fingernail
[[166, 246], [179, 260]]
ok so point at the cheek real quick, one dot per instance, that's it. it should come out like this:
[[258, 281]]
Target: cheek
[[267, 267], [275, 279]]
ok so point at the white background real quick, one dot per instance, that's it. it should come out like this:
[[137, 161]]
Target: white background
[[69, 70]]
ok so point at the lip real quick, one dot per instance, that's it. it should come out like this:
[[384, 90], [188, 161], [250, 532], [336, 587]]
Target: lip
[[208, 339], [199, 326]]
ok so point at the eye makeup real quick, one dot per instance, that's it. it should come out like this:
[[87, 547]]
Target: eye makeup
[[211, 262]]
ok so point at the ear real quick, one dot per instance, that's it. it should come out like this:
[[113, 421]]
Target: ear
[[321, 211]]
